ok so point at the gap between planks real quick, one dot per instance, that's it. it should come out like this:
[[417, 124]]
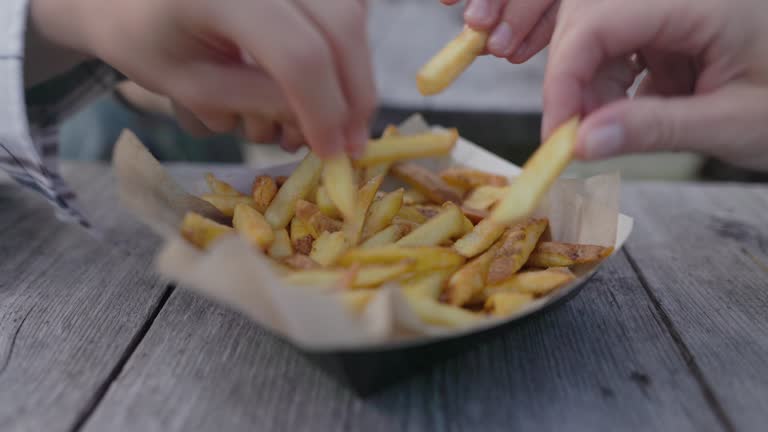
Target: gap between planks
[[102, 390], [685, 352]]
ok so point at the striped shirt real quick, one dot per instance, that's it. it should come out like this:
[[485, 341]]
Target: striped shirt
[[31, 116]]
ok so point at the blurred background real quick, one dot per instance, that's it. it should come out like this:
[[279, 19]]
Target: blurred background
[[495, 104]]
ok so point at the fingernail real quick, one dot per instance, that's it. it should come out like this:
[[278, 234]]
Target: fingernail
[[604, 141], [500, 42], [478, 12]]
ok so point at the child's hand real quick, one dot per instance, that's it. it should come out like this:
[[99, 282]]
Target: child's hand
[[307, 67], [519, 29]]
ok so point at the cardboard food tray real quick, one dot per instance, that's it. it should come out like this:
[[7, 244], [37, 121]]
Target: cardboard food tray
[[387, 341]]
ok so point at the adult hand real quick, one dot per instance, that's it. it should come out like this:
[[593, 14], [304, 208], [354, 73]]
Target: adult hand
[[706, 89], [519, 29], [301, 64]]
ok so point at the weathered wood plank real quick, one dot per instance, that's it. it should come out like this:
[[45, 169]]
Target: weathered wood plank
[[71, 307], [703, 254], [602, 362]]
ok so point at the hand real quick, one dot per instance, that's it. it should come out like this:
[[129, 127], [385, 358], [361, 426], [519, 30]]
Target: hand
[[301, 64], [519, 28], [707, 84]]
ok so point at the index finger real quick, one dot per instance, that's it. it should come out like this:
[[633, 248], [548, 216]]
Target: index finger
[[587, 37]]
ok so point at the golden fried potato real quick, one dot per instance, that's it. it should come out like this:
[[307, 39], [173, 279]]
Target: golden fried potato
[[485, 197], [468, 178], [201, 231], [429, 284], [387, 236], [301, 236], [376, 275], [226, 203], [516, 247], [341, 184], [451, 61], [506, 303], [298, 185], [432, 312], [325, 204], [413, 196], [424, 258], [219, 187], [382, 212], [250, 224], [535, 282], [469, 280], [444, 226], [554, 254], [263, 191], [538, 175], [328, 248], [410, 213], [426, 182], [281, 246], [405, 147], [482, 236], [353, 227], [381, 169]]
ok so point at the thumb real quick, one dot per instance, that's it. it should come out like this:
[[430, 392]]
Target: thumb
[[728, 123]]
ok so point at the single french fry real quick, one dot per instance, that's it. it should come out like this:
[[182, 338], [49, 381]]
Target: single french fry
[[484, 197], [424, 258], [447, 224], [328, 248], [387, 236], [201, 231], [405, 147], [300, 262], [316, 221], [538, 175], [301, 236], [322, 278], [381, 212], [281, 246], [381, 169], [375, 275], [226, 203], [429, 284], [263, 191], [325, 204], [340, 184], [451, 61], [554, 254], [220, 187], [506, 303], [516, 247], [250, 224], [469, 280], [432, 312], [426, 182], [413, 196], [356, 300], [353, 227], [468, 178], [298, 185], [482, 236], [535, 282], [410, 213]]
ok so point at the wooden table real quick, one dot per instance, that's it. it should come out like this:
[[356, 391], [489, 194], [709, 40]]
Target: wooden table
[[672, 334]]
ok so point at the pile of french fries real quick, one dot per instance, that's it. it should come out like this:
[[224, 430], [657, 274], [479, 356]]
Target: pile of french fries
[[453, 242]]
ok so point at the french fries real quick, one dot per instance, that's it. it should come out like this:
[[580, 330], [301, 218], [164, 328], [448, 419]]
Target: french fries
[[468, 178], [516, 247], [460, 245], [539, 172], [281, 246], [435, 231], [451, 61], [298, 185], [426, 182], [353, 227], [219, 187], [201, 231], [226, 203], [405, 147], [553, 254], [263, 191], [340, 184], [536, 282], [251, 224], [382, 212], [328, 247]]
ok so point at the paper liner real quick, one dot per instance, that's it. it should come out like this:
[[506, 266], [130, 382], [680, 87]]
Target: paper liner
[[235, 274]]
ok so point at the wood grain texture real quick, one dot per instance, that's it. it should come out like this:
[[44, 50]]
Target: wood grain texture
[[703, 254], [71, 306], [601, 362]]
